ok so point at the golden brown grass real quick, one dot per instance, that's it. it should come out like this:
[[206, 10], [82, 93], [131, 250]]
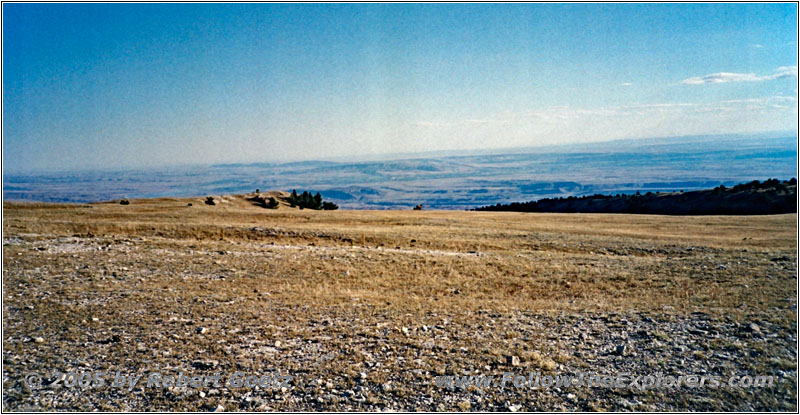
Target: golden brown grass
[[118, 287], [442, 259]]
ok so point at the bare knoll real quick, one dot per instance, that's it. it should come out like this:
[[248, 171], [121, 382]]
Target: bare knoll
[[366, 308]]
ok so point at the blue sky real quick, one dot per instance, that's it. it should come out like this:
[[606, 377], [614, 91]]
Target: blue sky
[[133, 85]]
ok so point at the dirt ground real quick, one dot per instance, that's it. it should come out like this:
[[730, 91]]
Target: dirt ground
[[366, 310]]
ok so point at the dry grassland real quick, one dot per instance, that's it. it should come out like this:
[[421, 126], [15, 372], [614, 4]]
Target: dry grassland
[[365, 308]]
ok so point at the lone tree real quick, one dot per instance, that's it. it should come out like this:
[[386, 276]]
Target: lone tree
[[210, 201]]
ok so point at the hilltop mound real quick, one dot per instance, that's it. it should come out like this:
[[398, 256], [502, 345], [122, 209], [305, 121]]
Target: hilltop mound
[[273, 199], [754, 198]]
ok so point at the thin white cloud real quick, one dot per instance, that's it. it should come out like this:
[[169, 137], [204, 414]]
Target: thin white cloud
[[788, 71], [568, 124], [725, 77], [758, 46], [565, 113], [626, 84], [433, 124], [485, 121]]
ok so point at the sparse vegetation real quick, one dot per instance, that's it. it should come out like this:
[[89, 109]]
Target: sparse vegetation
[[268, 202], [399, 296]]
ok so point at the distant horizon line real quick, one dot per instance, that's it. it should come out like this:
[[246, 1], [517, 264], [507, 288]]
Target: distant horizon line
[[397, 156]]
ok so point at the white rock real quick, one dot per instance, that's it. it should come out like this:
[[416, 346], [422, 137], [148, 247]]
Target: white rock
[[512, 361]]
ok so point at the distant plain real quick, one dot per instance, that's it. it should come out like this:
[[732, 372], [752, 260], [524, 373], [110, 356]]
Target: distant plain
[[447, 180]]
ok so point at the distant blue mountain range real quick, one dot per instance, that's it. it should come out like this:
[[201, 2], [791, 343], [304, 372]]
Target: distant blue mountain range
[[452, 180]]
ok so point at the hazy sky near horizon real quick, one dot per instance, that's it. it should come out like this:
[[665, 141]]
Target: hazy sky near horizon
[[133, 85]]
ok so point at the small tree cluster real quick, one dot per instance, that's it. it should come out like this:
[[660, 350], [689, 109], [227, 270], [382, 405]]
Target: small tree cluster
[[766, 184], [307, 201]]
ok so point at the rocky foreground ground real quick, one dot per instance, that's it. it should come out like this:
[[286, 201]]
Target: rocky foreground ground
[[365, 310]]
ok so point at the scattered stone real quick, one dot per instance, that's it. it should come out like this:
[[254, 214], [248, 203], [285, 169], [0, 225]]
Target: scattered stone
[[621, 350], [204, 364], [753, 328], [359, 351], [512, 361]]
